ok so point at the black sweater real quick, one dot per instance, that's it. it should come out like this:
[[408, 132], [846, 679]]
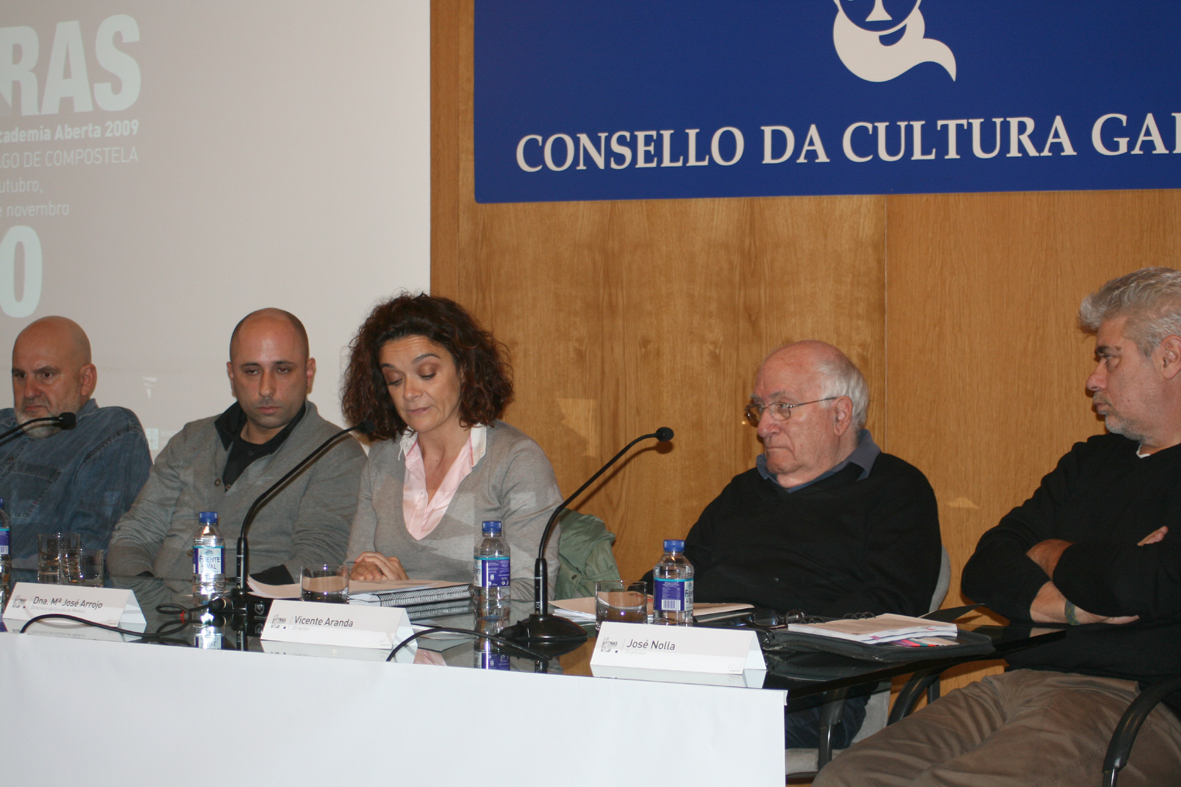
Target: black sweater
[[1104, 499], [838, 546]]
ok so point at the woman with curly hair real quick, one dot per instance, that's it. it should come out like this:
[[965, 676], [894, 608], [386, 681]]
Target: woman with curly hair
[[435, 384]]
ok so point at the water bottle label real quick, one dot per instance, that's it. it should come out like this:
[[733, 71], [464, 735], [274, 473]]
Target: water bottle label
[[493, 572], [673, 595], [207, 560], [493, 661]]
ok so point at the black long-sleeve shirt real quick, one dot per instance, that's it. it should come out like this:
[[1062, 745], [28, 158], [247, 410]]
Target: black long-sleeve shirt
[[1104, 499], [843, 544]]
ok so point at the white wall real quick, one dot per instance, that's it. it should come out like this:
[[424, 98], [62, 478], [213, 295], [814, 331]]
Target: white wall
[[280, 157]]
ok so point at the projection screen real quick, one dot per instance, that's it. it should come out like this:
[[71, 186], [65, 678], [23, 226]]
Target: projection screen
[[166, 168]]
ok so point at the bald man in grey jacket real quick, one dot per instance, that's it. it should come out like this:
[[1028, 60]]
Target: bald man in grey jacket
[[225, 462]]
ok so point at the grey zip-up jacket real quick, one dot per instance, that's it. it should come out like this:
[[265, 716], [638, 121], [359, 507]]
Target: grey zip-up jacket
[[307, 521]]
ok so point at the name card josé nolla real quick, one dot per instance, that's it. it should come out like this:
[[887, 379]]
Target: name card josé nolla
[[681, 654], [109, 606], [347, 625]]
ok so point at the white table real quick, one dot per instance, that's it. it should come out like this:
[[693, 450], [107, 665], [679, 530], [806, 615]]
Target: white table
[[123, 713]]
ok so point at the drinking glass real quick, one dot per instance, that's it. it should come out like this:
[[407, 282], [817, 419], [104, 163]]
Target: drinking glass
[[90, 568], [69, 565], [619, 603], [324, 582], [49, 550]]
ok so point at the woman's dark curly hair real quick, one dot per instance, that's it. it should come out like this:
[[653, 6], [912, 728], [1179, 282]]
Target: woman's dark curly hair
[[485, 377]]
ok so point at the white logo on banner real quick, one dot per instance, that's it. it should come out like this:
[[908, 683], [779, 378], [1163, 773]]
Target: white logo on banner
[[862, 24]]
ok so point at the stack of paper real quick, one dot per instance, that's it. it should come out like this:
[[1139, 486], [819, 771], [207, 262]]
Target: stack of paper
[[580, 610], [879, 629], [421, 598], [406, 592]]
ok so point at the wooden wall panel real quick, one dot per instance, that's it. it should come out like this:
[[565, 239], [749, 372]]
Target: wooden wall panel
[[986, 369], [451, 49], [625, 316]]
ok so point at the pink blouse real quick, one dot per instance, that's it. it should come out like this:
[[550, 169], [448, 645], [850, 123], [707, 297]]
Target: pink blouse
[[422, 512]]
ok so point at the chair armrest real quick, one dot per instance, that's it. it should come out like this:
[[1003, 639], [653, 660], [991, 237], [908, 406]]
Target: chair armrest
[[920, 682], [1129, 725], [830, 714]]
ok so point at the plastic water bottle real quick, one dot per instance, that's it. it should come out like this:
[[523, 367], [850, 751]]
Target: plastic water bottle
[[673, 578], [5, 555], [209, 578], [490, 589]]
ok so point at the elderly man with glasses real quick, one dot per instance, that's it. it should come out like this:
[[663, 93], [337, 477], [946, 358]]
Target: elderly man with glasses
[[825, 523]]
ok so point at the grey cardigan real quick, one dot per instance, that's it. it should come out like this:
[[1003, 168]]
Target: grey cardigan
[[307, 521], [513, 482]]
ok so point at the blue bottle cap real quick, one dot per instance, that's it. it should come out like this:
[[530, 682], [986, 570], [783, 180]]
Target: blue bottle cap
[[674, 545], [493, 527], [208, 517]]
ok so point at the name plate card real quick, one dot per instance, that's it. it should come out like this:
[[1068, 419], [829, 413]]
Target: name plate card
[[679, 654], [346, 625], [109, 606]]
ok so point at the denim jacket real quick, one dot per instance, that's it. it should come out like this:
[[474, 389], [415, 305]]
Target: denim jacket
[[80, 480]]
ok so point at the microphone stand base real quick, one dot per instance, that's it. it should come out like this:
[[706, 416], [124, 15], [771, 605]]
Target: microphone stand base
[[249, 611], [545, 629]]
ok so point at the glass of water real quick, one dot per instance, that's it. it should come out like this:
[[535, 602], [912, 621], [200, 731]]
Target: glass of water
[[324, 582], [69, 565], [617, 602], [50, 548], [90, 568]]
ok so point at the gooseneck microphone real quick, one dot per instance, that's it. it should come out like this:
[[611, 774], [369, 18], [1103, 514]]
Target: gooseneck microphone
[[239, 593], [541, 626], [65, 421]]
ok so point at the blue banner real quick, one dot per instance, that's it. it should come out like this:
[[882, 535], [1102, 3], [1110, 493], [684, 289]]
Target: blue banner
[[640, 99]]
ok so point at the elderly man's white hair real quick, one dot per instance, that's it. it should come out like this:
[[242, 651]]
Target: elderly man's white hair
[[840, 378]]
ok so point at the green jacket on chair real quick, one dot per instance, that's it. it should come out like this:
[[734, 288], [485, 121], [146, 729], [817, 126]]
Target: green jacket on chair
[[584, 555]]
